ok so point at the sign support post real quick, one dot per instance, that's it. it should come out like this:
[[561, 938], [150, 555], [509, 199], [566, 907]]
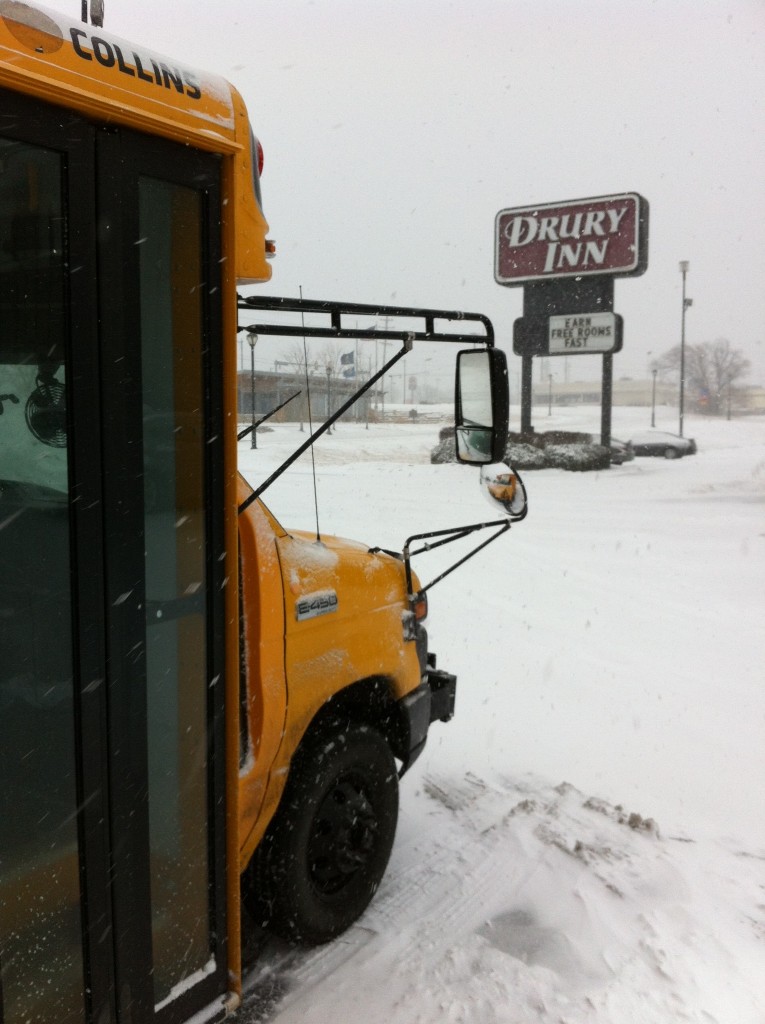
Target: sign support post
[[606, 399], [526, 371]]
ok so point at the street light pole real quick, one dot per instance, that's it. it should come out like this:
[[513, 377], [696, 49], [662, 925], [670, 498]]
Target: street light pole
[[653, 399], [549, 394], [686, 303], [329, 395], [252, 339]]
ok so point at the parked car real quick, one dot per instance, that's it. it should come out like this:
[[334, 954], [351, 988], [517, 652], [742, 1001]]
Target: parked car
[[621, 451], [668, 446]]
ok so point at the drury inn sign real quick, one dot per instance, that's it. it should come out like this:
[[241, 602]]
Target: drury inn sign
[[566, 256], [590, 236]]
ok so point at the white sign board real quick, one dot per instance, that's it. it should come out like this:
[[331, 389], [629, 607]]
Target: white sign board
[[582, 333]]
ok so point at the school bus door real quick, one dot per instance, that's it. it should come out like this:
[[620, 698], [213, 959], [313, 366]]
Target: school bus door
[[112, 846]]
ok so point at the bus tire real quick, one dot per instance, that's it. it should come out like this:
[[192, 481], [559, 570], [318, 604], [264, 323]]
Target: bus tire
[[325, 853]]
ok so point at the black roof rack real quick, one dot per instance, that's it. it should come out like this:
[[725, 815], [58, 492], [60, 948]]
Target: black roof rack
[[336, 311]]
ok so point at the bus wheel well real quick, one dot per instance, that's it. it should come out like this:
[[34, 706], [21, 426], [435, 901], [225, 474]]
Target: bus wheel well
[[367, 702]]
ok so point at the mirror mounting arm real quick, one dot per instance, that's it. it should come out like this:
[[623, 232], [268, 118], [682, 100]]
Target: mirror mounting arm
[[447, 536]]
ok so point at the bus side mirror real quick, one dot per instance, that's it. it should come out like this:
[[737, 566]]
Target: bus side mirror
[[481, 406], [504, 490]]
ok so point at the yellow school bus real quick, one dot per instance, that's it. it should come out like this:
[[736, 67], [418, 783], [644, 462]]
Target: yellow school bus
[[202, 713]]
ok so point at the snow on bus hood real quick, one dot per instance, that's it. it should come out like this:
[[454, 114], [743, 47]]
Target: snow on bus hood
[[336, 563]]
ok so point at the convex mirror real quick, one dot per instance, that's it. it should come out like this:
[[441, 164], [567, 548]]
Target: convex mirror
[[481, 406], [504, 489]]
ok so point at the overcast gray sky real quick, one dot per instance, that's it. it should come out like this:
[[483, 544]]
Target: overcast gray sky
[[394, 131]]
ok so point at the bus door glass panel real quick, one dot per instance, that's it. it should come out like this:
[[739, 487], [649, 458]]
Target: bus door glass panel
[[171, 319], [41, 962]]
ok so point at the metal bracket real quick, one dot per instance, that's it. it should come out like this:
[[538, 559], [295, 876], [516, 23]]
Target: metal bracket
[[336, 311], [447, 537]]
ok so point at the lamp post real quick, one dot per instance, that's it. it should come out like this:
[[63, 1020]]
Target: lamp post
[[252, 339], [653, 398], [549, 394], [686, 303], [329, 395]]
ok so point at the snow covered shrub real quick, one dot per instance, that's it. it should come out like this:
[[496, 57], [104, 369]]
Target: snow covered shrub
[[444, 451], [563, 437], [535, 451], [577, 457], [524, 456]]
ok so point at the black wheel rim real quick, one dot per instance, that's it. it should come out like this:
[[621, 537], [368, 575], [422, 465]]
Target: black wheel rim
[[343, 837]]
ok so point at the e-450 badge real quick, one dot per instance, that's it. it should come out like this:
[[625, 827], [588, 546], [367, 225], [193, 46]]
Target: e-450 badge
[[312, 605]]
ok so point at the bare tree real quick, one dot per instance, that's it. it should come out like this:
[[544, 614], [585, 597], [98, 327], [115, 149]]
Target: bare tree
[[295, 358], [316, 370], [331, 355], [317, 361], [711, 370]]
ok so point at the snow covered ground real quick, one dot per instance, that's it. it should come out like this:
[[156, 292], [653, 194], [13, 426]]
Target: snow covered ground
[[585, 841]]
